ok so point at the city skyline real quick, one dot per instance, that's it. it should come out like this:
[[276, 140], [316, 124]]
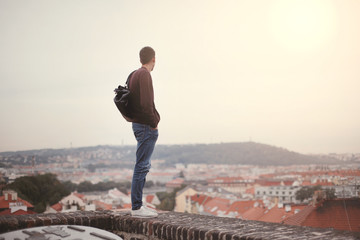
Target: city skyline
[[283, 73]]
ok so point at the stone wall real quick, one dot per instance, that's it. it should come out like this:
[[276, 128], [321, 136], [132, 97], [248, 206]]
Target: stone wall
[[171, 225]]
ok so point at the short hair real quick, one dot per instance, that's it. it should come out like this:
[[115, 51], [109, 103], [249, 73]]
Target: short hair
[[146, 54]]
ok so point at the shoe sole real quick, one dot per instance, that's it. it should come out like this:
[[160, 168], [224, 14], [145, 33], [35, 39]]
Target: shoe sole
[[143, 216]]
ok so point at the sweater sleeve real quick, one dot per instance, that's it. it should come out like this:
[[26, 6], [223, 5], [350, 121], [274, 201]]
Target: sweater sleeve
[[147, 98]]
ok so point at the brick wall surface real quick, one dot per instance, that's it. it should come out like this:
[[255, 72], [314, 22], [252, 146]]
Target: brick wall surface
[[171, 225]]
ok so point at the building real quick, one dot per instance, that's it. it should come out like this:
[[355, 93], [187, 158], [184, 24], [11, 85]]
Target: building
[[73, 202], [345, 191], [11, 204], [116, 198], [281, 193], [161, 177], [231, 184], [151, 199], [182, 202]]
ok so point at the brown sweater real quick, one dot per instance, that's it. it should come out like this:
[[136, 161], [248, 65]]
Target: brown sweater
[[142, 98]]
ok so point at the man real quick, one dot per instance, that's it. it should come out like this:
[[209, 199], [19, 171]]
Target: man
[[144, 124]]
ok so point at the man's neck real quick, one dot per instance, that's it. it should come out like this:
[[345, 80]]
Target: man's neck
[[148, 67]]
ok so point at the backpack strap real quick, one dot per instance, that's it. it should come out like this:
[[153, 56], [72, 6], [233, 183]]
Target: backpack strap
[[128, 79]]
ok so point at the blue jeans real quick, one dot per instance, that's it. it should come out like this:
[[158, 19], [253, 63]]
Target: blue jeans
[[146, 138]]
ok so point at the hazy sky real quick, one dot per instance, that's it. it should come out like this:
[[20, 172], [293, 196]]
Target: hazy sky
[[284, 73]]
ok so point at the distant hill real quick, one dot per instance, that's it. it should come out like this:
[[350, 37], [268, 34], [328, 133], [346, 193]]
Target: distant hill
[[223, 153], [236, 153]]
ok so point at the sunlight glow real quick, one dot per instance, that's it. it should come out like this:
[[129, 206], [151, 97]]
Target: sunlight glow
[[303, 25]]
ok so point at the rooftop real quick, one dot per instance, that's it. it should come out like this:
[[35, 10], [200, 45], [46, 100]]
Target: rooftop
[[5, 203], [343, 214]]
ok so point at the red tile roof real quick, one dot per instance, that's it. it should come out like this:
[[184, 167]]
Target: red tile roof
[[254, 213], [200, 198], [278, 215], [275, 182], [175, 183], [127, 205], [101, 205], [161, 174], [242, 206], [323, 183], [225, 180], [341, 173], [5, 203], [18, 212], [216, 204], [149, 198], [274, 215], [306, 183], [250, 190], [57, 207], [79, 195], [299, 217], [341, 214]]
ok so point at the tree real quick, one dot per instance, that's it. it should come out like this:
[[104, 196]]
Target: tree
[[91, 167], [39, 190], [305, 193], [87, 186], [167, 200], [330, 193], [149, 184], [302, 194], [167, 204], [3, 165], [70, 186]]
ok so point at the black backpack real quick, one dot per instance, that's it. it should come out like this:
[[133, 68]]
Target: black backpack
[[121, 99]]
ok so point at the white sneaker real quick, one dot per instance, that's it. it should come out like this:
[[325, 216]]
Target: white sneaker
[[143, 212], [150, 209]]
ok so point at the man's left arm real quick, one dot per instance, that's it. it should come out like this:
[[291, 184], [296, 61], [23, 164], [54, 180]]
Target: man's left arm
[[147, 100]]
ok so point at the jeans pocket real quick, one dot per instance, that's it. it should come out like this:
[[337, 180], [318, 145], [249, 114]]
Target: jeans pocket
[[139, 132], [154, 133]]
